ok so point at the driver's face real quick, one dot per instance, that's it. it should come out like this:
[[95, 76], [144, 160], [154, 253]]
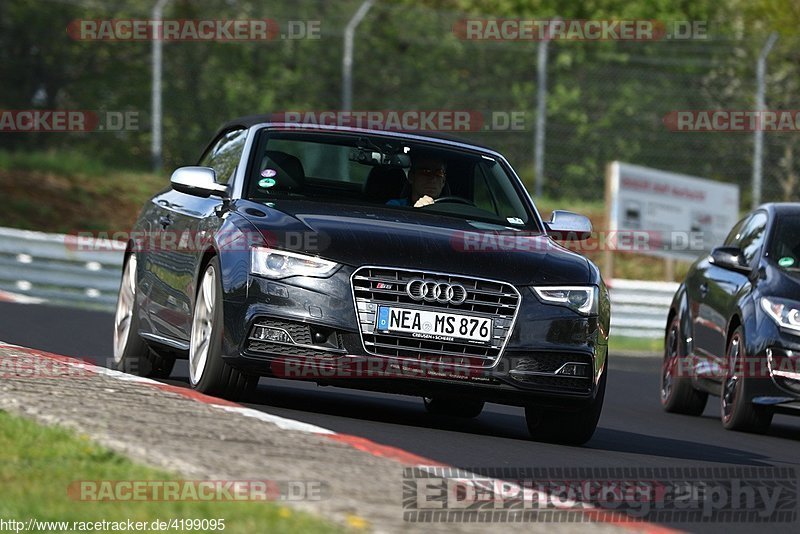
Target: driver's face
[[427, 178]]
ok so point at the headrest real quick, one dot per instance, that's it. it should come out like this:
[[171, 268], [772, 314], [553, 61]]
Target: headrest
[[384, 183]]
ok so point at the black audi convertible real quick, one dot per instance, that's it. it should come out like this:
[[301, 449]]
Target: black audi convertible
[[397, 262]]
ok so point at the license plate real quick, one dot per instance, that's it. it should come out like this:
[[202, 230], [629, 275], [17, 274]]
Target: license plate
[[437, 326]]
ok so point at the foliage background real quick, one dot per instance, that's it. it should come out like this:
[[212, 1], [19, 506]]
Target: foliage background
[[606, 99]]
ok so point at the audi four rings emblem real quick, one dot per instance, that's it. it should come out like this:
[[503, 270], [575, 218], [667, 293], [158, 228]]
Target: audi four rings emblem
[[442, 292]]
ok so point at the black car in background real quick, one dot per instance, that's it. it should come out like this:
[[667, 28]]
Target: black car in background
[[734, 325], [296, 252]]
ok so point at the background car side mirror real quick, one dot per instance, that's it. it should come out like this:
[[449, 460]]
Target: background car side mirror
[[568, 226], [197, 181], [730, 258]]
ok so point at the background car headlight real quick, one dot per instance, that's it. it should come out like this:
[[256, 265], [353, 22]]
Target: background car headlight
[[274, 263], [582, 299], [784, 312]]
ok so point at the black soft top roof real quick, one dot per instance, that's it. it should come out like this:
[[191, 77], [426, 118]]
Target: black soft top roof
[[252, 120]]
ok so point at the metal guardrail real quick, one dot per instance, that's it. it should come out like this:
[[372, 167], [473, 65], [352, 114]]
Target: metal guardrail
[[640, 308], [66, 269], [61, 269]]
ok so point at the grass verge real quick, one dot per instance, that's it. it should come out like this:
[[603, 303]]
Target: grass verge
[[38, 463], [66, 192], [634, 344]]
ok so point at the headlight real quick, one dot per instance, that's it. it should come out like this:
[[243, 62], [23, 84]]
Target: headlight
[[784, 312], [582, 299], [274, 263]]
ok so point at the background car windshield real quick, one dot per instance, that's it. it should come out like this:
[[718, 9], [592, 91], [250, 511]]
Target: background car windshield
[[785, 246], [375, 170]]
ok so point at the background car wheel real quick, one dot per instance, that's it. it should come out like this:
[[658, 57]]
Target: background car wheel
[[454, 407], [677, 393], [567, 427], [131, 353], [736, 410], [208, 372]]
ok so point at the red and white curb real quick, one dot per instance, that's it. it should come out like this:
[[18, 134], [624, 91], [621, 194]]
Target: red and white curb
[[6, 296], [401, 456]]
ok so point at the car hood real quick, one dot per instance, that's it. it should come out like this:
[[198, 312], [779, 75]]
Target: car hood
[[780, 283], [359, 235]]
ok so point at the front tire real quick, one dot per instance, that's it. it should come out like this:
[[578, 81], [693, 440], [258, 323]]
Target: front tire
[[567, 427], [131, 353], [736, 410], [677, 393], [208, 371]]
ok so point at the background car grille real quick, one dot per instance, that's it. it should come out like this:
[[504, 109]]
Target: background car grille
[[498, 300]]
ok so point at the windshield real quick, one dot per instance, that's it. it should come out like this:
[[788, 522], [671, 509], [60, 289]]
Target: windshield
[[391, 173], [784, 248]]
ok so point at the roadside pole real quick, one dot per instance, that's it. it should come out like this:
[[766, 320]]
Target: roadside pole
[[347, 56], [758, 135], [155, 142], [541, 116]]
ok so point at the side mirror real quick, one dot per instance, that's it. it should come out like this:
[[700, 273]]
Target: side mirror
[[197, 181], [730, 258], [568, 226]]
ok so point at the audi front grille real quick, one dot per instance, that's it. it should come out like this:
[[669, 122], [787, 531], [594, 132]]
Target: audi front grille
[[384, 286]]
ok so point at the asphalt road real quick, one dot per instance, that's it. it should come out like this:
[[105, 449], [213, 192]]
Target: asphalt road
[[633, 430]]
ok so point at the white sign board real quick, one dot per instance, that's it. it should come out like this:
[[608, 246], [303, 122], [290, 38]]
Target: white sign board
[[667, 214]]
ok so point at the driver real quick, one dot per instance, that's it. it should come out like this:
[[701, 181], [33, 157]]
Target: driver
[[427, 177]]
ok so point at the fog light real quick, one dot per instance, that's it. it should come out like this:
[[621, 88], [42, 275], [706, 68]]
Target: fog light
[[266, 333], [573, 369], [320, 338]]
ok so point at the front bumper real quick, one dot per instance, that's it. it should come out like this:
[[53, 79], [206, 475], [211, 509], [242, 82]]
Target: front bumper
[[552, 354]]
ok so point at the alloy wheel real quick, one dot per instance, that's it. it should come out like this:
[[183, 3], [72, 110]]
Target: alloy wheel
[[670, 363], [125, 306], [729, 385], [202, 326]]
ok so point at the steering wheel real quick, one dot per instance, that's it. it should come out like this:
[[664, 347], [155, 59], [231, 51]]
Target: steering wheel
[[458, 200]]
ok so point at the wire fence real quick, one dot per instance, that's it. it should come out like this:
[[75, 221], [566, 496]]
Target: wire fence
[[606, 100]]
